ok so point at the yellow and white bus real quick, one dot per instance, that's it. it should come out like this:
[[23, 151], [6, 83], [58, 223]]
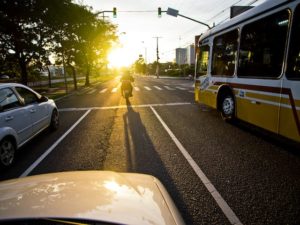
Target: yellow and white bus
[[249, 67]]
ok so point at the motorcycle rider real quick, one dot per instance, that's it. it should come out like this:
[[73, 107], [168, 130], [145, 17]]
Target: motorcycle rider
[[126, 80]]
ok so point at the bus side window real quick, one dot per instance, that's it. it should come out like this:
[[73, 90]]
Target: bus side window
[[293, 63], [224, 54], [263, 45]]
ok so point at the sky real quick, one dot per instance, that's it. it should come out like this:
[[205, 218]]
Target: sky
[[138, 25]]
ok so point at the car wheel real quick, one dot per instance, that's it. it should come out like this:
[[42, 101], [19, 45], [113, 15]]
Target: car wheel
[[54, 124], [228, 107], [7, 152]]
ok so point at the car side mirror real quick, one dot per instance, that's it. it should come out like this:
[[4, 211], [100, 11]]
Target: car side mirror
[[43, 99]]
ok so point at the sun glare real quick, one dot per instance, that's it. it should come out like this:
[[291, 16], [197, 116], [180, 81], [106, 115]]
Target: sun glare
[[119, 58]]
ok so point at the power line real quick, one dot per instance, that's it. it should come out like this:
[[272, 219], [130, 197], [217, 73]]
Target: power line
[[223, 11], [249, 4]]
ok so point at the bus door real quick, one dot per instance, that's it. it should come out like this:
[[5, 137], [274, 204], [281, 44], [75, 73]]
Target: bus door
[[261, 64], [201, 77], [289, 124]]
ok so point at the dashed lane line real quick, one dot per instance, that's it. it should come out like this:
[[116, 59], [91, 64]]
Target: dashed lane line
[[136, 88], [228, 212], [147, 88]]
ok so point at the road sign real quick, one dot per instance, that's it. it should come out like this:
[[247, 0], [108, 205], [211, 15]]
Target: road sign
[[172, 12]]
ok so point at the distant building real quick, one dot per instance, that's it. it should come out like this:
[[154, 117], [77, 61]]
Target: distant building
[[190, 54], [181, 56], [185, 55]]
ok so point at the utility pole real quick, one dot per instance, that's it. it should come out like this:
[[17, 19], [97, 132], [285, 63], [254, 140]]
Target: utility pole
[[157, 57]]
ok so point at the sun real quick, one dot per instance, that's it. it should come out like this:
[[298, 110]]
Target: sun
[[119, 58]]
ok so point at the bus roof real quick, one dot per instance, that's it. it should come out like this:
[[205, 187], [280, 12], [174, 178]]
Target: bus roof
[[255, 11]]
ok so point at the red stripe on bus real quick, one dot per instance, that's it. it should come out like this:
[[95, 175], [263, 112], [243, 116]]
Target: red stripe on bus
[[277, 90]]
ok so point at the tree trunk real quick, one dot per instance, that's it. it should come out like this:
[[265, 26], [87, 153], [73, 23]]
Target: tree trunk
[[49, 76], [24, 74], [87, 76], [74, 76]]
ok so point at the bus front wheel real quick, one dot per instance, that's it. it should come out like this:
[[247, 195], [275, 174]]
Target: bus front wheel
[[227, 107]]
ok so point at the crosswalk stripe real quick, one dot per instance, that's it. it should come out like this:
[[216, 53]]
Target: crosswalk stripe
[[158, 88], [103, 91], [168, 88], [181, 88], [91, 92], [114, 90]]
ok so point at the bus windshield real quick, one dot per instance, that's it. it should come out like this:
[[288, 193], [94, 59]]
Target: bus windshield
[[202, 60]]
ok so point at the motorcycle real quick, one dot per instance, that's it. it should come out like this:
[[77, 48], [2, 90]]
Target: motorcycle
[[126, 89]]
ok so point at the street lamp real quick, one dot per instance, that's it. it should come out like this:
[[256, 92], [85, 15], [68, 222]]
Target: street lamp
[[145, 57], [145, 52]]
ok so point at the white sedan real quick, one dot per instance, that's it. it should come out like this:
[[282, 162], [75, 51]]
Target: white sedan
[[87, 197], [23, 114]]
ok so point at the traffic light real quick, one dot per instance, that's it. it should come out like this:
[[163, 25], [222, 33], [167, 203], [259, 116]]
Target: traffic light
[[114, 12], [159, 11]]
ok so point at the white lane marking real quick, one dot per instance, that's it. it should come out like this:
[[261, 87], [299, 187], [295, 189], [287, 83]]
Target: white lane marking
[[158, 88], [147, 88], [103, 91], [233, 219], [91, 92], [124, 106], [192, 91], [49, 150], [181, 88], [137, 88], [168, 88], [114, 90]]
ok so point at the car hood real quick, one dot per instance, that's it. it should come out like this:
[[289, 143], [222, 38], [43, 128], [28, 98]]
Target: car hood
[[94, 195]]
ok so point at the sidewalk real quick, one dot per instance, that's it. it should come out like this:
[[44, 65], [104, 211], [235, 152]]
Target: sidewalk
[[60, 92], [57, 93]]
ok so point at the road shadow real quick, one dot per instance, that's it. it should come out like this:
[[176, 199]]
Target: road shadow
[[142, 157], [286, 144]]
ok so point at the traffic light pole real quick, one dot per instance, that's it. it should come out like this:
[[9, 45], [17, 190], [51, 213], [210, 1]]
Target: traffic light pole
[[175, 13], [157, 57], [194, 20], [114, 12]]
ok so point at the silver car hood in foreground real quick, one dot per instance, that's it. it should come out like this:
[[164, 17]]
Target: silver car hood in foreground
[[94, 195]]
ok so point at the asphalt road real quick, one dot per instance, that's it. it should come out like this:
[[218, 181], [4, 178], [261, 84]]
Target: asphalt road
[[216, 172]]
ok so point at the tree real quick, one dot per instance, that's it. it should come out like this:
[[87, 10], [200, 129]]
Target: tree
[[30, 30], [140, 65], [95, 40], [23, 35]]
